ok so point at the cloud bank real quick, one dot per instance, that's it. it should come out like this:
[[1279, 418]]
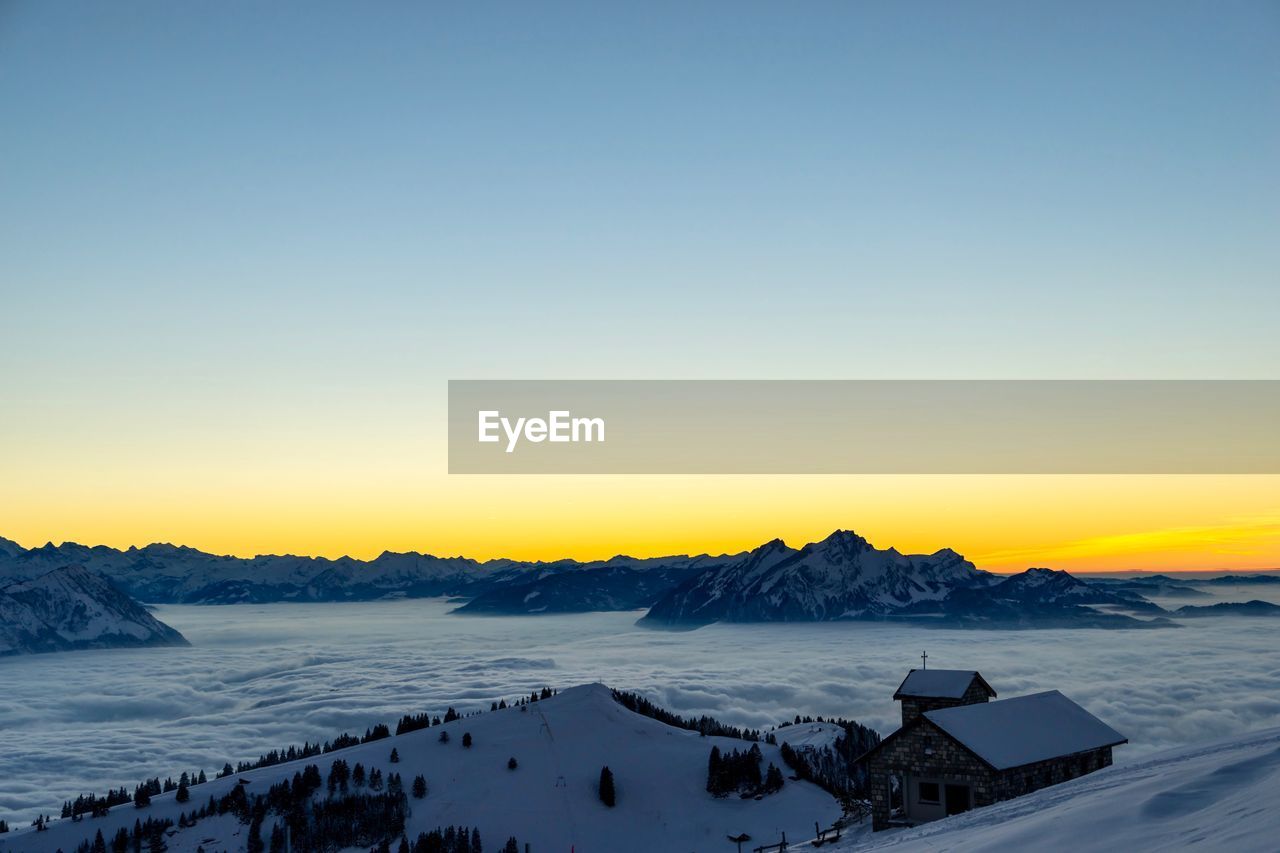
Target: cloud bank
[[260, 677]]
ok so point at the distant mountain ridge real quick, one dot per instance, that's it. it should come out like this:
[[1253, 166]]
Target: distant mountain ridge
[[165, 573], [842, 577], [73, 608]]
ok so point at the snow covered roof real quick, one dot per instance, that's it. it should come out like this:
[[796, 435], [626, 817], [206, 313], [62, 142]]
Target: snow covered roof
[[939, 683], [1025, 729]]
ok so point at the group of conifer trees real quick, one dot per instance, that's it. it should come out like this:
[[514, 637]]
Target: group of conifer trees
[[739, 773], [704, 725], [446, 839], [146, 835], [354, 814], [96, 805]]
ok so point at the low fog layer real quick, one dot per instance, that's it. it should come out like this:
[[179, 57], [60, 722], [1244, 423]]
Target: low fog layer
[[259, 677]]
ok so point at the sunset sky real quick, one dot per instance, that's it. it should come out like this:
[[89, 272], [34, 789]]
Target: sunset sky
[[244, 246]]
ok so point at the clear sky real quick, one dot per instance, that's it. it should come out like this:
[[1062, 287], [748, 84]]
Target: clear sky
[[243, 246]]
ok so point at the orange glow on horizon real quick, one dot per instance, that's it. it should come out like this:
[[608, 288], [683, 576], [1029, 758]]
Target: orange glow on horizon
[[1001, 523]]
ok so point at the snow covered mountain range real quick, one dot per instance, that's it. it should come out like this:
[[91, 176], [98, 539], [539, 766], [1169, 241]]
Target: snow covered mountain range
[[164, 573], [73, 608], [845, 577], [841, 577]]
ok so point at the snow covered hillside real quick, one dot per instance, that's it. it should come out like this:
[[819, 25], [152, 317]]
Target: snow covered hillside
[[73, 608], [549, 800], [1218, 796]]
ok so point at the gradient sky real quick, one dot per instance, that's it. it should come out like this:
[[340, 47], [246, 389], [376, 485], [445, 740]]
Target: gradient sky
[[243, 246]]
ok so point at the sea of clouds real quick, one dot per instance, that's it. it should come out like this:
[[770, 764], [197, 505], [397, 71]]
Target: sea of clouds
[[264, 676]]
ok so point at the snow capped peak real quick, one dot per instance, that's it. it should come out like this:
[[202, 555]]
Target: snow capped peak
[[1046, 577], [71, 608], [844, 539], [1042, 574], [840, 577], [169, 548], [66, 576]]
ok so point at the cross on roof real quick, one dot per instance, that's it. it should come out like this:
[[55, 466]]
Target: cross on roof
[[924, 660]]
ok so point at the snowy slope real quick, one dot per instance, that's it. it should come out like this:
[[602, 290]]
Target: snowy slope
[[809, 735], [550, 800], [73, 608], [1219, 796]]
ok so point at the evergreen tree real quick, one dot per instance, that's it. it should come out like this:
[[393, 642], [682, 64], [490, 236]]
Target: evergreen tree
[[444, 737], [419, 787], [512, 764], [512, 846], [339, 775], [277, 839], [751, 767], [183, 794], [141, 797], [395, 756], [254, 844], [607, 794], [466, 739], [357, 775]]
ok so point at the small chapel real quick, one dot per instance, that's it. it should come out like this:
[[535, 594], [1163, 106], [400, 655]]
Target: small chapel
[[958, 749]]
